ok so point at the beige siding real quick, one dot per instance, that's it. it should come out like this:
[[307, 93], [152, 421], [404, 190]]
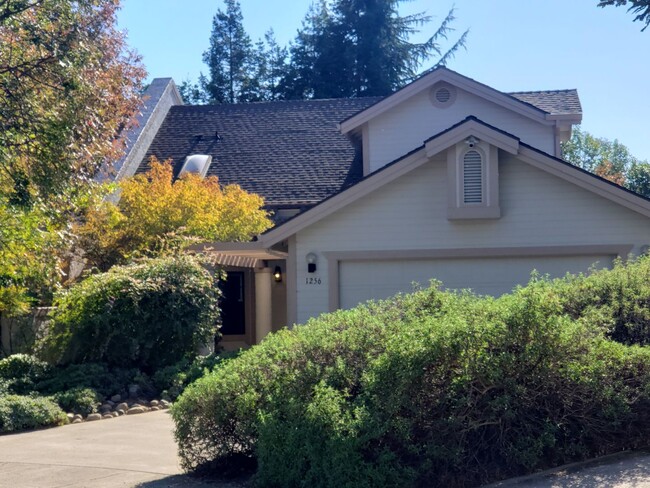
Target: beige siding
[[411, 213], [407, 126]]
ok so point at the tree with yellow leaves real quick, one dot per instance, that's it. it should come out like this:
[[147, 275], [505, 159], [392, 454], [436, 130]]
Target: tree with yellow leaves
[[157, 215]]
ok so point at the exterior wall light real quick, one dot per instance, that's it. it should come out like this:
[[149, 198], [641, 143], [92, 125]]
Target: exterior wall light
[[277, 274], [311, 262]]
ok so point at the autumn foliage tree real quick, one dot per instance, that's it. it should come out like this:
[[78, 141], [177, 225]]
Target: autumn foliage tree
[[157, 215], [608, 159], [69, 85]]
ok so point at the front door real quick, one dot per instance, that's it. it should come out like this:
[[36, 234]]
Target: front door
[[233, 311]]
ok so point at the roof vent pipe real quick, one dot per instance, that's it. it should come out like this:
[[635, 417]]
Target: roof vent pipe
[[197, 164]]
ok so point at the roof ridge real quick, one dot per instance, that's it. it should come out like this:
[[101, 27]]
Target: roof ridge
[[542, 91], [284, 102]]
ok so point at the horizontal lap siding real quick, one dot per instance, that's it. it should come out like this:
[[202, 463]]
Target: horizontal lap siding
[[538, 209], [407, 126]]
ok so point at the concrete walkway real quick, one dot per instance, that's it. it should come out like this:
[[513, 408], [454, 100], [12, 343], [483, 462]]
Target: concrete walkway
[[130, 451]]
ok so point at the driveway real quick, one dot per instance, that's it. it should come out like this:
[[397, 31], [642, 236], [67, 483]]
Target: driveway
[[625, 470], [129, 451], [139, 451]]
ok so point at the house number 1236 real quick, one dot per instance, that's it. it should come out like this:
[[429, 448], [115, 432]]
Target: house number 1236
[[313, 281]]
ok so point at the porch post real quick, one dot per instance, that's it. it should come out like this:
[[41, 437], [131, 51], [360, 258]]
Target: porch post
[[263, 312]]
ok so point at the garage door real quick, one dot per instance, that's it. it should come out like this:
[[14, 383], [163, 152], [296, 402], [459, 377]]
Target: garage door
[[360, 281]]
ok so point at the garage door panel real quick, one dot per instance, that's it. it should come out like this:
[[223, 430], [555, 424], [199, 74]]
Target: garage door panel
[[360, 281]]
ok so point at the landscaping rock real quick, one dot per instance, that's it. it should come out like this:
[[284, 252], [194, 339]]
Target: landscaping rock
[[153, 409], [165, 404], [154, 403], [120, 412], [94, 416], [122, 406], [116, 398], [78, 417], [111, 403], [77, 421], [135, 410], [105, 408], [107, 416], [115, 414], [70, 417]]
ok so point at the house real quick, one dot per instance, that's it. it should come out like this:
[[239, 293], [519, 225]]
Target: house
[[445, 179]]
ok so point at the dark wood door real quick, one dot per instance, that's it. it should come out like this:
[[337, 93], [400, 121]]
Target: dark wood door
[[233, 310]]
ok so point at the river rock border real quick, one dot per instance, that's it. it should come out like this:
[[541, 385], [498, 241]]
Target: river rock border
[[115, 407]]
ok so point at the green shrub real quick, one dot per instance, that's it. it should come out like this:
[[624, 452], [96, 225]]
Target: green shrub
[[172, 380], [106, 381], [20, 372], [617, 300], [83, 401], [431, 389], [146, 315], [23, 412]]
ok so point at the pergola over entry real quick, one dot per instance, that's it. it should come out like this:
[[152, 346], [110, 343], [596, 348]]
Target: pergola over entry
[[265, 296]]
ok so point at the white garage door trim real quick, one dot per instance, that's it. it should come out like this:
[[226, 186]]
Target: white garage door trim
[[334, 258]]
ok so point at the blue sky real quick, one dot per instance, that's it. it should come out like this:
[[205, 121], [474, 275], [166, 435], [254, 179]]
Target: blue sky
[[513, 45]]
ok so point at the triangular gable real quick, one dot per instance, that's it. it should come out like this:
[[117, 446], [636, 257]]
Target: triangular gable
[[440, 142], [444, 74]]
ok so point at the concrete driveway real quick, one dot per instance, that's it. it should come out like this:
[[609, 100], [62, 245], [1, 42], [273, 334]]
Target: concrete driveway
[[129, 451], [625, 470], [139, 451]]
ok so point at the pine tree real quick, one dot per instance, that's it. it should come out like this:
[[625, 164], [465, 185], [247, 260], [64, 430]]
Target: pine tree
[[361, 48], [229, 57]]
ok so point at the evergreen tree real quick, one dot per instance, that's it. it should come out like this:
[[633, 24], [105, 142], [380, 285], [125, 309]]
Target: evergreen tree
[[639, 7], [361, 48], [274, 59], [229, 57]]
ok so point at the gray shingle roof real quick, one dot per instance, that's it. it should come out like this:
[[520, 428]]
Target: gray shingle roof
[[556, 102], [289, 152]]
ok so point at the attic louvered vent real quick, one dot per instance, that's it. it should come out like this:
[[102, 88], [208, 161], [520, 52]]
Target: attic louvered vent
[[443, 95], [197, 164], [472, 177]]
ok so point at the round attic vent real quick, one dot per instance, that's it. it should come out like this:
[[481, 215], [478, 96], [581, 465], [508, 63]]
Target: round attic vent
[[442, 95]]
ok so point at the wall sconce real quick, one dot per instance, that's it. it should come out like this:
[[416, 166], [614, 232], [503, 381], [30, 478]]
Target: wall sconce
[[277, 274], [311, 262]]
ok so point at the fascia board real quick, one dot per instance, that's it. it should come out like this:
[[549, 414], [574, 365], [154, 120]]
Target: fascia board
[[454, 79], [344, 198], [472, 128], [584, 180]]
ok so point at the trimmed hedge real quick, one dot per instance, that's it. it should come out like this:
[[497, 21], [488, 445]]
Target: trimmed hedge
[[146, 315], [23, 412], [432, 389]]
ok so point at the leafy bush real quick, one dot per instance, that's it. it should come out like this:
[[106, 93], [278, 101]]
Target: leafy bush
[[431, 389], [146, 315], [23, 412], [106, 381], [20, 372], [172, 380], [78, 400], [618, 300]]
